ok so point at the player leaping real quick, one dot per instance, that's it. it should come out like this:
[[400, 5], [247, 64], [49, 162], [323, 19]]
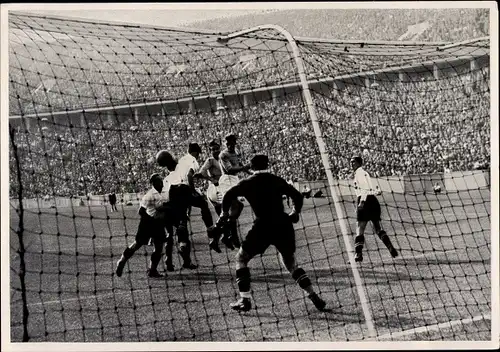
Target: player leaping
[[368, 209], [232, 164], [212, 171], [272, 226], [183, 173]]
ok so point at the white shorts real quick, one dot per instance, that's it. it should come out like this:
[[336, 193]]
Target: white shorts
[[213, 193], [225, 183]]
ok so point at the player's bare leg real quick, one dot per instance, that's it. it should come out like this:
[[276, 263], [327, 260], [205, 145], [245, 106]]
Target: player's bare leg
[[127, 254], [244, 304], [384, 238], [300, 276], [359, 240]]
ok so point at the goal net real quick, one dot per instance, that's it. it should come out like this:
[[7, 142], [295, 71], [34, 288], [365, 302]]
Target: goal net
[[91, 103]]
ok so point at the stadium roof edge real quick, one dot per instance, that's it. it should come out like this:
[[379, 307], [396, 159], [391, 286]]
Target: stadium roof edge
[[370, 42], [118, 23], [215, 33], [369, 73]]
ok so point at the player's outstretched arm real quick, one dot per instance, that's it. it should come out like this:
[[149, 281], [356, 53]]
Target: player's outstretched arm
[[203, 173], [296, 196], [247, 169], [231, 195]]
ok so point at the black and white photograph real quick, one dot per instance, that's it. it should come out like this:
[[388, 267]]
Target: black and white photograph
[[318, 175]]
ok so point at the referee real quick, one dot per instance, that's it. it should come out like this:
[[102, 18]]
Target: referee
[[368, 209]]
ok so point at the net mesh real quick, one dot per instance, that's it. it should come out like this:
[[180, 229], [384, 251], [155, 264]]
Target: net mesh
[[91, 104]]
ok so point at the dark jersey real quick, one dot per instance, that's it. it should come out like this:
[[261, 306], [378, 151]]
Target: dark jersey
[[264, 191], [112, 198]]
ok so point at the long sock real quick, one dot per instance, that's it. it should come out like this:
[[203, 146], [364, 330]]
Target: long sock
[[233, 228], [185, 252], [155, 259], [359, 242], [385, 239], [300, 276], [233, 231], [127, 254], [206, 216], [168, 249], [218, 208], [184, 243], [243, 281], [226, 230]]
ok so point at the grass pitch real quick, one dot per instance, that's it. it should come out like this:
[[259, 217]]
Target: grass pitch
[[438, 289]]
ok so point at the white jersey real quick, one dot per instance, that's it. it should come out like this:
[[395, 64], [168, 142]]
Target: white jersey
[[154, 199], [363, 184], [185, 164]]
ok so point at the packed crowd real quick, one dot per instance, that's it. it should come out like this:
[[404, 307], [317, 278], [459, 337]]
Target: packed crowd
[[435, 125], [447, 24], [400, 128], [69, 73]]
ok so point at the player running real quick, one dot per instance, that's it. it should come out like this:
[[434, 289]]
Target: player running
[[232, 165], [272, 226], [368, 209], [151, 225]]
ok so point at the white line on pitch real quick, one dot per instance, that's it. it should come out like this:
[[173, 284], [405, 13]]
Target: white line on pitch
[[400, 257], [105, 295], [128, 292], [435, 327], [85, 297]]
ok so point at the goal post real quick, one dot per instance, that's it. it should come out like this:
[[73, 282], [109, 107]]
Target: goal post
[[324, 159], [91, 103]]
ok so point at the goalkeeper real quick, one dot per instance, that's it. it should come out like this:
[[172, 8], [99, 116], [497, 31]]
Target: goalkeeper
[[272, 226]]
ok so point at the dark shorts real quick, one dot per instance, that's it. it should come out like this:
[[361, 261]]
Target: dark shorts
[[278, 232], [370, 211], [183, 197], [179, 202], [150, 228]]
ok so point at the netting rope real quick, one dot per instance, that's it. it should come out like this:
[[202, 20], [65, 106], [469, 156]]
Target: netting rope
[[91, 103]]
